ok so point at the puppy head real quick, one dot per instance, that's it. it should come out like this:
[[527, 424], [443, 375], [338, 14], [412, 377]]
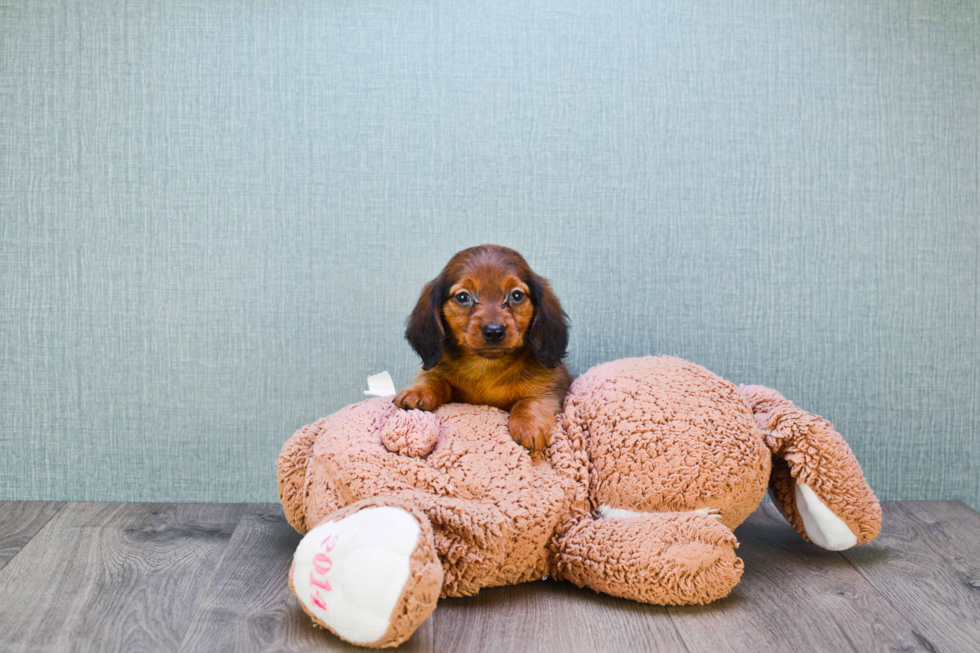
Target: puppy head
[[487, 302]]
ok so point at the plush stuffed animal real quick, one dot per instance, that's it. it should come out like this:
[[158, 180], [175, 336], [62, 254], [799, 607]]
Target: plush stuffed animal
[[651, 465]]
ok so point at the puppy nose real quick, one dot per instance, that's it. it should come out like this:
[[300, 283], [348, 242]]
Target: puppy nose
[[493, 332]]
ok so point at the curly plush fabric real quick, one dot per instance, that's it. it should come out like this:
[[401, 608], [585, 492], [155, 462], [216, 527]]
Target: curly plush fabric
[[665, 435], [653, 463], [410, 433], [807, 450]]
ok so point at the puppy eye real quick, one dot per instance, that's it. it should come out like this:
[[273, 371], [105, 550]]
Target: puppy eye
[[463, 298], [516, 297]]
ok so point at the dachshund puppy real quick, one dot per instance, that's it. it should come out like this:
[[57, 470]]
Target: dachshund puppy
[[490, 331]]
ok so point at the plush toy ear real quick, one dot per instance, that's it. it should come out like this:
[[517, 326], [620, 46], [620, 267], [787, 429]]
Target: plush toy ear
[[424, 330], [548, 335]]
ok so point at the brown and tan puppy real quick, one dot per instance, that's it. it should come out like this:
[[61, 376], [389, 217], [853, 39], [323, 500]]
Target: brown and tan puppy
[[490, 331]]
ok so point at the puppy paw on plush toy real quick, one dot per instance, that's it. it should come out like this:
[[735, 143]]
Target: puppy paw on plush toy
[[652, 463]]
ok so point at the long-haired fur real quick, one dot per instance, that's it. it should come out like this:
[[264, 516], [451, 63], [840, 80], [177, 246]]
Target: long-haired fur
[[516, 365]]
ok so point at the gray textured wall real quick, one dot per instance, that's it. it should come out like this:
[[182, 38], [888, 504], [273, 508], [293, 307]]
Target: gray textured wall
[[216, 215]]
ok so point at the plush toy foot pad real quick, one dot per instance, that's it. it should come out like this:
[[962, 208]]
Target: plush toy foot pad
[[823, 527], [349, 574]]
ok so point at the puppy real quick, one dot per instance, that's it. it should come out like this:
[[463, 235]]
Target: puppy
[[490, 331]]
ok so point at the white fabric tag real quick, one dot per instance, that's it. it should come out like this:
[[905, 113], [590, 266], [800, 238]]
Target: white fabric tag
[[380, 385]]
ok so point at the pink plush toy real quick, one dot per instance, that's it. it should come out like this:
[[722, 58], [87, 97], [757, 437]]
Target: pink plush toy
[[652, 463]]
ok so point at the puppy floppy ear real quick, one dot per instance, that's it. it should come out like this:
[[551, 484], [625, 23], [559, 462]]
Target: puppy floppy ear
[[548, 335], [424, 330]]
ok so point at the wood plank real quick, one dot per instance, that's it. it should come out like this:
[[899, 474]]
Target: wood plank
[[154, 576], [113, 577], [20, 521], [249, 606], [793, 596], [926, 564], [550, 616]]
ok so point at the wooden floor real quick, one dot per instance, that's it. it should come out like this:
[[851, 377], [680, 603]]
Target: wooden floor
[[169, 577]]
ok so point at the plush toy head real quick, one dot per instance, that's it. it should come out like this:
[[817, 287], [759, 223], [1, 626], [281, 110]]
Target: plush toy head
[[653, 462]]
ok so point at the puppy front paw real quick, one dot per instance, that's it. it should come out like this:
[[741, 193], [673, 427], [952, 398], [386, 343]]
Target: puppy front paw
[[530, 428], [418, 397]]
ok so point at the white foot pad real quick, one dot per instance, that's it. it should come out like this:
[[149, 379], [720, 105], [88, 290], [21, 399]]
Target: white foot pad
[[606, 512], [823, 527], [350, 573]]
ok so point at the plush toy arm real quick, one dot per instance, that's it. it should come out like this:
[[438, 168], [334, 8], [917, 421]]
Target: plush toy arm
[[816, 481], [670, 558]]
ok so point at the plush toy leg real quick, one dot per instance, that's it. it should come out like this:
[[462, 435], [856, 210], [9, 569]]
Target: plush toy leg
[[816, 481], [369, 572], [663, 558], [292, 464]]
